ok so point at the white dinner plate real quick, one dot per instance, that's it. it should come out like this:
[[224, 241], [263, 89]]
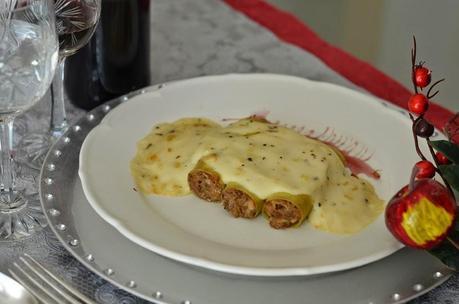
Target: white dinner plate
[[192, 231]]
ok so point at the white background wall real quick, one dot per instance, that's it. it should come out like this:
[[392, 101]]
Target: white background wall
[[380, 31]]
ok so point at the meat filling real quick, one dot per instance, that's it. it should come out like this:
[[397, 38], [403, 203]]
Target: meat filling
[[206, 185], [239, 203], [282, 213]]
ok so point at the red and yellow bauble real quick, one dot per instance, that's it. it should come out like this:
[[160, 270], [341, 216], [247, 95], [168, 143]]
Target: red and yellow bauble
[[421, 217]]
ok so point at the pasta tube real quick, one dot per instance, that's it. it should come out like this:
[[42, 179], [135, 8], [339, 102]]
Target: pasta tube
[[239, 202], [285, 210], [205, 183]]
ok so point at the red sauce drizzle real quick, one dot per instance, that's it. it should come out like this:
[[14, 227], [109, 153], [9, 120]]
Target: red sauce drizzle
[[357, 166]]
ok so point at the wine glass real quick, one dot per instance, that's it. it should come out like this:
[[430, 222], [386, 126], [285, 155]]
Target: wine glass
[[28, 57], [76, 22]]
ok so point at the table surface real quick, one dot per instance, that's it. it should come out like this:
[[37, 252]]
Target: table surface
[[189, 38]]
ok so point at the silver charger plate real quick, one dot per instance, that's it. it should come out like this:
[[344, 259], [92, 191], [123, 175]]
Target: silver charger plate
[[100, 247]]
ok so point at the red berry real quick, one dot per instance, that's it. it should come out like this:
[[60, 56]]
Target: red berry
[[441, 158], [418, 104], [425, 169], [422, 76]]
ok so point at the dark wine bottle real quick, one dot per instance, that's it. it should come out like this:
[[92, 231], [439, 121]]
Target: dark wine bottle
[[117, 58]]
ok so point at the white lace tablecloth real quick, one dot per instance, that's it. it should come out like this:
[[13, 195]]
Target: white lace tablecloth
[[188, 38]]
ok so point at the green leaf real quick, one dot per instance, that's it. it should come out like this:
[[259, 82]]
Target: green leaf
[[450, 150], [451, 173], [446, 252]]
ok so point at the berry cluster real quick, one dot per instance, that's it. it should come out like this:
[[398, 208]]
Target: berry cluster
[[418, 104], [423, 214]]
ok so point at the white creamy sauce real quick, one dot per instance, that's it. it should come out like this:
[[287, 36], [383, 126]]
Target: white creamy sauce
[[263, 158]]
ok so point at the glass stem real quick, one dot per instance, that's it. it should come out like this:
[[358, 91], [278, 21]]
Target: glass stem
[[58, 116], [7, 180]]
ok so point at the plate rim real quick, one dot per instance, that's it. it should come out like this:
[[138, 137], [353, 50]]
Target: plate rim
[[81, 255], [219, 266]]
